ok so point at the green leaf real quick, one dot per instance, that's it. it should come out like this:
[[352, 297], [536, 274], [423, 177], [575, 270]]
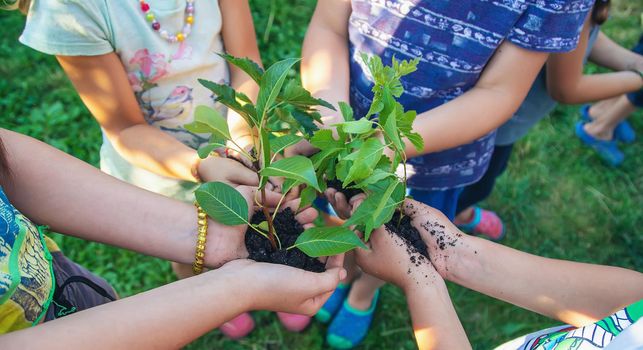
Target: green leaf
[[416, 140], [247, 65], [205, 151], [222, 203], [270, 85], [307, 196], [263, 226], [392, 133], [377, 176], [282, 142], [215, 121], [297, 168], [327, 241], [228, 97], [306, 120], [378, 208], [360, 126], [299, 97], [265, 155], [323, 139], [197, 128], [347, 111], [365, 160]]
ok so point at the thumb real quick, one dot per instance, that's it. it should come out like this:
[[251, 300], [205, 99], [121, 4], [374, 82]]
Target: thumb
[[241, 174], [327, 281]]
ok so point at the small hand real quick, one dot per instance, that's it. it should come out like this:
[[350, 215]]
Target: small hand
[[287, 289], [390, 258], [228, 171], [226, 243]]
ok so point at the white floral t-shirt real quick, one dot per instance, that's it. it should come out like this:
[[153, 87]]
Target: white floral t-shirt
[[163, 75]]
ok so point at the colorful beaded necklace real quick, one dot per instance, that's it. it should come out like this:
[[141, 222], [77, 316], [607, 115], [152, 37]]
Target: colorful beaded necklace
[[178, 37]]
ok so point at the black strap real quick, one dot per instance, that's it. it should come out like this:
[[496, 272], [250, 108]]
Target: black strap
[[62, 307]]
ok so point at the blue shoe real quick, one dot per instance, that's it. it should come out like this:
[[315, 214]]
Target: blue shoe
[[326, 313], [350, 326], [605, 149], [623, 131]]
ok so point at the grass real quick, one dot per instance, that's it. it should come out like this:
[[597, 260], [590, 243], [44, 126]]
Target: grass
[[557, 197]]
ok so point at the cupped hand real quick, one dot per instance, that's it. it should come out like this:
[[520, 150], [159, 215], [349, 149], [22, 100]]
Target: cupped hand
[[226, 243], [445, 242], [391, 259], [283, 288]]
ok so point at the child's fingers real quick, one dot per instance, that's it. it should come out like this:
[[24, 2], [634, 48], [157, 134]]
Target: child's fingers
[[240, 174]]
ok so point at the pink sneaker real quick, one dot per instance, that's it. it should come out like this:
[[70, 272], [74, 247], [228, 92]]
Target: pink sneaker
[[293, 322], [484, 223], [238, 327]]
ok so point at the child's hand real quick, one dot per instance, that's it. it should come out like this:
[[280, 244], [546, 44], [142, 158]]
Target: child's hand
[[228, 171], [227, 243], [446, 244], [392, 260], [282, 288]]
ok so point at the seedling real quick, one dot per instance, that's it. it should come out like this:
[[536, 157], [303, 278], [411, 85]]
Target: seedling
[[357, 156], [284, 114]]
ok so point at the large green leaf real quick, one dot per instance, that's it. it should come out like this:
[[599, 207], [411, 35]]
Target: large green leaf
[[223, 203], [228, 97], [365, 160], [247, 65], [270, 85], [299, 97], [323, 139], [211, 117], [327, 241], [360, 126], [297, 168], [378, 208], [282, 142]]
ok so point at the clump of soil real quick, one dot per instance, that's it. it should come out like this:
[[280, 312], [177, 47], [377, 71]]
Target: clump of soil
[[288, 229], [348, 192], [411, 237]]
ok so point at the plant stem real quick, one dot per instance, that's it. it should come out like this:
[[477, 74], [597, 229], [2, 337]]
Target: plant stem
[[271, 229]]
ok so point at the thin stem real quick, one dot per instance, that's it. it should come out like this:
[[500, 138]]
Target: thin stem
[[242, 151], [266, 214], [274, 215]]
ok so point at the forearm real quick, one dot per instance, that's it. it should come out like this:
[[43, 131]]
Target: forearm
[[595, 87], [168, 317], [150, 148], [465, 119], [572, 292], [325, 68], [435, 322], [611, 55], [71, 197]]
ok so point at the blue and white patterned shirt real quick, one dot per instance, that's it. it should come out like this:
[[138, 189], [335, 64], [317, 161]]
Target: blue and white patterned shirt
[[454, 40]]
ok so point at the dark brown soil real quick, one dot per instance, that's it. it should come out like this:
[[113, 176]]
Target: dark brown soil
[[411, 237], [348, 192], [288, 229]]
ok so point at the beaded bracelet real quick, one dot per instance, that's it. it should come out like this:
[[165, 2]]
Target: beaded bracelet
[[199, 255]]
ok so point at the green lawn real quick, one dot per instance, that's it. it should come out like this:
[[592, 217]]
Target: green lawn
[[557, 198]]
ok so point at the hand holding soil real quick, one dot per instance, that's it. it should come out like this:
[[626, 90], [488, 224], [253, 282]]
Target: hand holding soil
[[284, 288]]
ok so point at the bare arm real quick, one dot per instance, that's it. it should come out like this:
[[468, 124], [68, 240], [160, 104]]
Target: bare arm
[[171, 316], [566, 82], [240, 41], [611, 55], [102, 84], [324, 68], [492, 101], [435, 322], [575, 293], [55, 189]]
